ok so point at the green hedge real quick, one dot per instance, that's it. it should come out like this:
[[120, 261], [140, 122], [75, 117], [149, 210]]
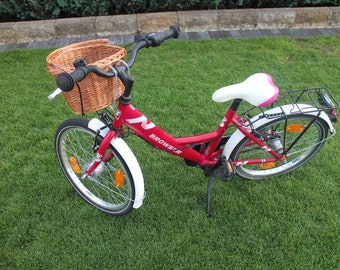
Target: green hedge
[[21, 10]]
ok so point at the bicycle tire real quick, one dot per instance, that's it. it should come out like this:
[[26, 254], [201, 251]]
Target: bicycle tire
[[302, 151], [75, 141]]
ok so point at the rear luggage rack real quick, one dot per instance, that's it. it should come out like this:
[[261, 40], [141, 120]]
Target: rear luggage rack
[[302, 101], [320, 99]]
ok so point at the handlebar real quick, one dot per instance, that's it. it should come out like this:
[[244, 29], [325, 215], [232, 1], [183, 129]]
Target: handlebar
[[66, 81]]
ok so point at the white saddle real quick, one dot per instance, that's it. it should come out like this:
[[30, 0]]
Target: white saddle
[[258, 89]]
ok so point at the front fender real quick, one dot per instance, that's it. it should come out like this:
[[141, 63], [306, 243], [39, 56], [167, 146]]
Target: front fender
[[237, 136], [129, 158]]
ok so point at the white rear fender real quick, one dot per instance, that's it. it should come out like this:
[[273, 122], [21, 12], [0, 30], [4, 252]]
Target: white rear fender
[[130, 159], [237, 136]]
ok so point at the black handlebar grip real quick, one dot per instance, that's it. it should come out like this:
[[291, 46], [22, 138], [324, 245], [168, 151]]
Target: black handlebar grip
[[66, 81], [173, 32], [157, 38]]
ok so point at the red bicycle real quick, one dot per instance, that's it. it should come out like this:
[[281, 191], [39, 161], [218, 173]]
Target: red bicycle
[[265, 142]]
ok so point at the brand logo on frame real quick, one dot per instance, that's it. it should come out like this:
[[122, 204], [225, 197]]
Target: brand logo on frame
[[143, 120], [165, 144], [223, 122], [118, 114]]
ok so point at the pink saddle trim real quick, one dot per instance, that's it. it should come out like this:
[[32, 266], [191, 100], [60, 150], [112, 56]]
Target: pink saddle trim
[[275, 95]]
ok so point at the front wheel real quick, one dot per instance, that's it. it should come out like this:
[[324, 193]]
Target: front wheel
[[110, 188], [302, 135]]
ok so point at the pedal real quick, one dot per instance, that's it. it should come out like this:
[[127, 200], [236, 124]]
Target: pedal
[[227, 170]]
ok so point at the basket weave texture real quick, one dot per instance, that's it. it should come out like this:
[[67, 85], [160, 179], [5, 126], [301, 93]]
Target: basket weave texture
[[94, 92]]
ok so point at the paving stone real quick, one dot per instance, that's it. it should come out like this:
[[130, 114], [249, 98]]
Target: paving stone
[[183, 36], [305, 32], [220, 34], [81, 27], [116, 25], [117, 39], [236, 19], [313, 17], [128, 39], [204, 35], [275, 18], [235, 34], [335, 19], [57, 43], [11, 46], [215, 34], [330, 31], [314, 32], [6, 33], [291, 32], [194, 36], [270, 32], [34, 31], [138, 37], [154, 22], [225, 34], [250, 33], [199, 20]]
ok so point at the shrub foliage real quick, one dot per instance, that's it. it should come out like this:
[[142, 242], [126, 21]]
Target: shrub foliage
[[21, 10]]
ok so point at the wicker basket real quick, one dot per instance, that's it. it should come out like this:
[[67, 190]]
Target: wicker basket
[[94, 92]]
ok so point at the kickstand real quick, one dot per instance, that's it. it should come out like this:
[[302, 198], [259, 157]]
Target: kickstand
[[210, 185], [224, 169]]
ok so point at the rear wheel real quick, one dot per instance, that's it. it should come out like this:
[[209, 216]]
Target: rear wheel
[[110, 188], [311, 130]]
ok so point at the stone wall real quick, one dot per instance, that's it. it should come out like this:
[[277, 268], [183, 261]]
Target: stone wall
[[188, 21]]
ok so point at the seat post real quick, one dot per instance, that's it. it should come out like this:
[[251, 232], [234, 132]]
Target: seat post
[[236, 103]]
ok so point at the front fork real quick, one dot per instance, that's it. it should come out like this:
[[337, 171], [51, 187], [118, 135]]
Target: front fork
[[101, 155]]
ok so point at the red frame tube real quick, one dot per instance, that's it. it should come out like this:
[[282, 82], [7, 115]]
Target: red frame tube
[[128, 115]]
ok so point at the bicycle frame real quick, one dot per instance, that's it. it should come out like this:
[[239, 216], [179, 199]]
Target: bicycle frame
[[143, 127]]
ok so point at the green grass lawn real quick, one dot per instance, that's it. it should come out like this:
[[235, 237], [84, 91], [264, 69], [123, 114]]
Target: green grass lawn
[[287, 222]]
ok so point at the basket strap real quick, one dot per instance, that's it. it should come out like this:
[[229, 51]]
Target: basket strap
[[116, 81]]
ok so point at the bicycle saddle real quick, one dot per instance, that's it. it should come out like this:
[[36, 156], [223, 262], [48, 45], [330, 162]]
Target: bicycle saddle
[[258, 89]]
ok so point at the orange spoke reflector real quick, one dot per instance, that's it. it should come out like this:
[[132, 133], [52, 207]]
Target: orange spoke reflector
[[75, 165], [267, 165], [295, 128], [119, 178]]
